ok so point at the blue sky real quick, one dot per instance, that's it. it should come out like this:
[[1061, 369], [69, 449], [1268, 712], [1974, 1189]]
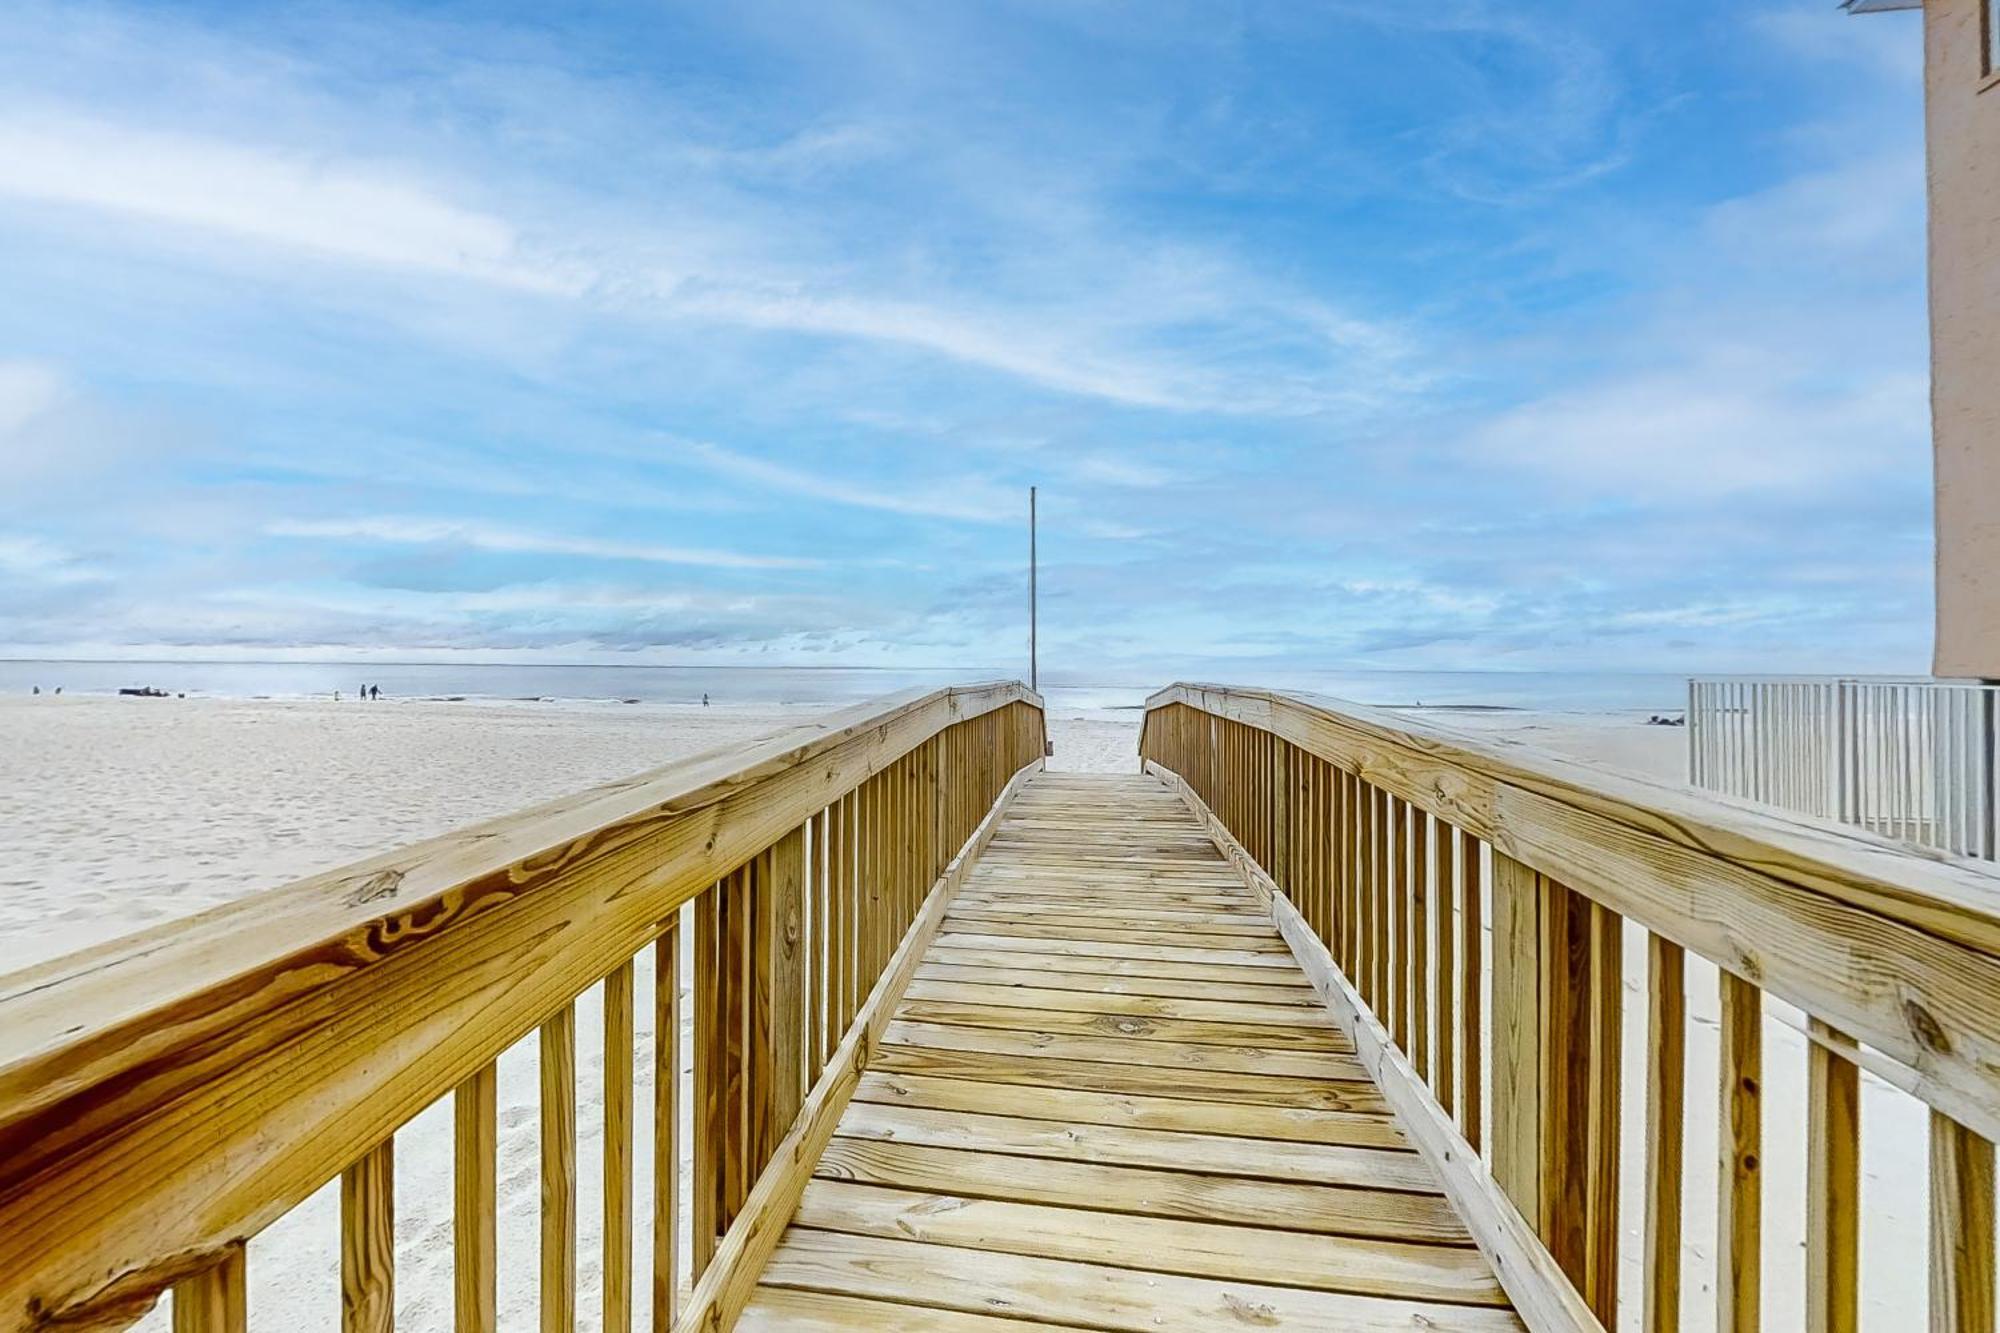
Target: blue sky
[[1508, 335]]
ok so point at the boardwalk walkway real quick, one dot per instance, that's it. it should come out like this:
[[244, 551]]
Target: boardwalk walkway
[[1110, 1100]]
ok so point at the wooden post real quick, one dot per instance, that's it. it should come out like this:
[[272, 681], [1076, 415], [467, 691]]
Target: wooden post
[[1740, 1188], [1556, 1057], [1833, 1187], [666, 1126], [1961, 1229], [558, 1078], [213, 1300], [474, 1243], [368, 1242], [780, 1004], [1665, 1116], [618, 1027]]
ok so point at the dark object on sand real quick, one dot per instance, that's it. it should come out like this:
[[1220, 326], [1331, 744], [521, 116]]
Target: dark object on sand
[[147, 692], [1657, 720]]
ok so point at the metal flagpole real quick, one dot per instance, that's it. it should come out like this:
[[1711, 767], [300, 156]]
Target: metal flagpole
[[1034, 666]]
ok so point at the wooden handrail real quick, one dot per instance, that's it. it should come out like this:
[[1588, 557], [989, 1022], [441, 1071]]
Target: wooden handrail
[[165, 1096], [1392, 837]]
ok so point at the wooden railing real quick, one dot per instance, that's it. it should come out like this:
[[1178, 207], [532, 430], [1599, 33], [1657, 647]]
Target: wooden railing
[[1469, 899], [165, 1097]]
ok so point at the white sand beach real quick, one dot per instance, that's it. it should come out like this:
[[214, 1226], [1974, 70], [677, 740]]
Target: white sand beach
[[120, 813]]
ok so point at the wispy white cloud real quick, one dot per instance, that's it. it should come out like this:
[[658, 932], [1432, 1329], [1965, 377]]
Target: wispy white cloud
[[296, 200], [32, 557], [492, 537], [968, 498]]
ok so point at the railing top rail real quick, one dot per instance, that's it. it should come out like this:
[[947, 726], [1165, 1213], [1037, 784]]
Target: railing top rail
[[90, 1016], [1953, 896], [1895, 945], [1779, 678]]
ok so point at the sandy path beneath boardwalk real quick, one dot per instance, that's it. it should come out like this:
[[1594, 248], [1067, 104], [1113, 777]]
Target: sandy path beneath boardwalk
[[116, 814]]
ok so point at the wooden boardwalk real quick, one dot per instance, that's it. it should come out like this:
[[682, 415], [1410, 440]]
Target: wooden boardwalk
[[1110, 1099]]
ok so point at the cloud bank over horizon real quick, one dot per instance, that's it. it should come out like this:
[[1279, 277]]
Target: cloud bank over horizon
[[1335, 336]]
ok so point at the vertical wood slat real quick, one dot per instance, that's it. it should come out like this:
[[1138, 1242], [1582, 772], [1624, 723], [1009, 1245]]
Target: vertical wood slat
[[1604, 1083], [1833, 1186], [1666, 1081], [707, 1091], [1962, 1229], [1517, 1036], [732, 979], [1472, 997], [1446, 992], [1418, 944], [1740, 1184], [617, 1238], [666, 1127], [368, 1242], [558, 1096], [475, 1260], [1557, 997], [214, 1300], [1402, 888], [780, 1000]]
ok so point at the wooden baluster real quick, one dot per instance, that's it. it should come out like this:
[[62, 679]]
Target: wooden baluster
[[368, 1242], [743, 1010], [734, 1174], [1472, 997], [1518, 1037], [1396, 915], [1740, 1187], [618, 1025], [704, 1218], [666, 1127], [1833, 1185], [1365, 865], [1666, 1073], [1418, 944], [476, 1140], [1961, 1229], [1602, 1167], [812, 945], [1380, 880], [1556, 994], [781, 991], [1353, 869], [558, 1078], [214, 1300], [1445, 993], [845, 915]]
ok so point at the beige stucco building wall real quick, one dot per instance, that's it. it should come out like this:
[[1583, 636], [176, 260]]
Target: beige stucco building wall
[[1963, 114]]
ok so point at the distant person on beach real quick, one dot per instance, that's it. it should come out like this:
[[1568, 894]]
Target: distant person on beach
[[376, 691], [704, 701]]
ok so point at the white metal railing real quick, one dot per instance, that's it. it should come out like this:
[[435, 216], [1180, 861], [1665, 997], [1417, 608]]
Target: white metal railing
[[1909, 758]]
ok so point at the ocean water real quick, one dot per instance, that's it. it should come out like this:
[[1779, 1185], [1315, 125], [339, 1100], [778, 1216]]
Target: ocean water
[[1543, 691]]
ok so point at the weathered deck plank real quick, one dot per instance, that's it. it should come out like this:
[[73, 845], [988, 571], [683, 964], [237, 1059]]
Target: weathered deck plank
[[1109, 1100]]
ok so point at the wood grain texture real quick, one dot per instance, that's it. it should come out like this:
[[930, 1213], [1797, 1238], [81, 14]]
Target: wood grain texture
[[301, 1027], [667, 1164], [1740, 1173], [368, 1242], [1666, 1093], [214, 1300], [617, 1165], [727, 1284], [1962, 1235], [475, 1148], [1833, 1191], [558, 1099], [1899, 949], [1541, 1291]]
